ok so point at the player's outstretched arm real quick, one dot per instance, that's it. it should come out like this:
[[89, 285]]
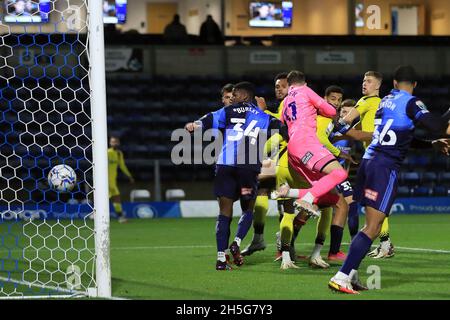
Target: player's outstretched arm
[[354, 134], [214, 120], [191, 126]]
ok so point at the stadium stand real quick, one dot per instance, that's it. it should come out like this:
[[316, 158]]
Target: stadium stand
[[146, 121]]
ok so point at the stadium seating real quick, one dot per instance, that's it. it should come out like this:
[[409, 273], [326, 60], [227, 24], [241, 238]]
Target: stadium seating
[[139, 195], [175, 194], [154, 107]]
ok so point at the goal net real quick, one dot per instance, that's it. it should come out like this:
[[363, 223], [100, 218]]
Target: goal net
[[50, 73]]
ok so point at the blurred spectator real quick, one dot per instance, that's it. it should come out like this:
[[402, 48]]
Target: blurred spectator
[[175, 32], [210, 32]]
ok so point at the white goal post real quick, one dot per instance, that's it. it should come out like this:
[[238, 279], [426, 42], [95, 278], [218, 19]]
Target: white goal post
[[53, 111]]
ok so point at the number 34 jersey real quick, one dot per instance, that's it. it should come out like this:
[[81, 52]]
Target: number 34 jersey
[[245, 129], [395, 122]]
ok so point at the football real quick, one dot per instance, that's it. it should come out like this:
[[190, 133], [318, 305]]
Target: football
[[62, 178]]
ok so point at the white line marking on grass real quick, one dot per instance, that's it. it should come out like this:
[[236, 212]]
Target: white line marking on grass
[[269, 245]]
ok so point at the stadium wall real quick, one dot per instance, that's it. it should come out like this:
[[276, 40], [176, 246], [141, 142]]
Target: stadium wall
[[196, 209], [313, 60]]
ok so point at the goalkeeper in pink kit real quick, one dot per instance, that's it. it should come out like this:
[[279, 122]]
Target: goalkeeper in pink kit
[[306, 153]]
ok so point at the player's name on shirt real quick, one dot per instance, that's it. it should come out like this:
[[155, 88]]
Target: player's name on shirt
[[251, 109]]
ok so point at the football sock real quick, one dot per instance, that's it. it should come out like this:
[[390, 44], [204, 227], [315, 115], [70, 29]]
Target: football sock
[[244, 224], [336, 238], [286, 230], [316, 250], [353, 219], [118, 208], [221, 256], [323, 224], [222, 232], [384, 234], [261, 207], [257, 237], [358, 249]]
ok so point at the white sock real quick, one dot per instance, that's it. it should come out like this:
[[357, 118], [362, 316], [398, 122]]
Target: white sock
[[308, 197], [293, 193], [258, 237], [316, 250], [221, 256], [238, 241], [353, 275], [341, 275], [286, 256]]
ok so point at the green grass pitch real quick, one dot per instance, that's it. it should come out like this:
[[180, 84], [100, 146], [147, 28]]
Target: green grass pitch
[[175, 259]]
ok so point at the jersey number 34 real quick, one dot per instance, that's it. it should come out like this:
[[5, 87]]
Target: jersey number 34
[[250, 131]]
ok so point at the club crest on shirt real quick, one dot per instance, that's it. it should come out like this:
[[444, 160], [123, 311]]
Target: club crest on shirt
[[371, 195]]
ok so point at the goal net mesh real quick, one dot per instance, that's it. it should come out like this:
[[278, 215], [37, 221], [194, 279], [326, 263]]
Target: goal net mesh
[[46, 238]]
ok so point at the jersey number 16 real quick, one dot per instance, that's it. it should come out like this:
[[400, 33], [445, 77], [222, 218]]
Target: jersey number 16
[[380, 136]]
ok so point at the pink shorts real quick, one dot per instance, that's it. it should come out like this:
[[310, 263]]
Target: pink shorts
[[327, 200], [312, 157]]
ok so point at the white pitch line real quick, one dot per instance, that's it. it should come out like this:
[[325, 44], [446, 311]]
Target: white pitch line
[[269, 245]]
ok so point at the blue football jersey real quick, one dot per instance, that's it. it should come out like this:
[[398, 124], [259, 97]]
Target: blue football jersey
[[394, 128], [245, 129]]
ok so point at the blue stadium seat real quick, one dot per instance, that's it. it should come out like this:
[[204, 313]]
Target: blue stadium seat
[[440, 163], [403, 191], [421, 192], [444, 178], [429, 177], [410, 178], [419, 161], [441, 191]]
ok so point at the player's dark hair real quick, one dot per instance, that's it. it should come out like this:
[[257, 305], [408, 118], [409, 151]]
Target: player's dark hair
[[282, 75], [246, 86], [296, 76], [333, 89], [377, 75], [348, 103], [227, 88], [405, 73]]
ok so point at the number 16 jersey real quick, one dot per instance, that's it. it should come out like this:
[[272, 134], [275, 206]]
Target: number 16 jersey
[[394, 128]]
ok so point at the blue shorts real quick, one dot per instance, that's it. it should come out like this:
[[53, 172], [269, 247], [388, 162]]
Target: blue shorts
[[235, 183], [345, 188], [376, 186]]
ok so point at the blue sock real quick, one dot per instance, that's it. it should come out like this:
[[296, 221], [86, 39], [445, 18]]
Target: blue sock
[[222, 232], [353, 219], [245, 222], [358, 249]]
